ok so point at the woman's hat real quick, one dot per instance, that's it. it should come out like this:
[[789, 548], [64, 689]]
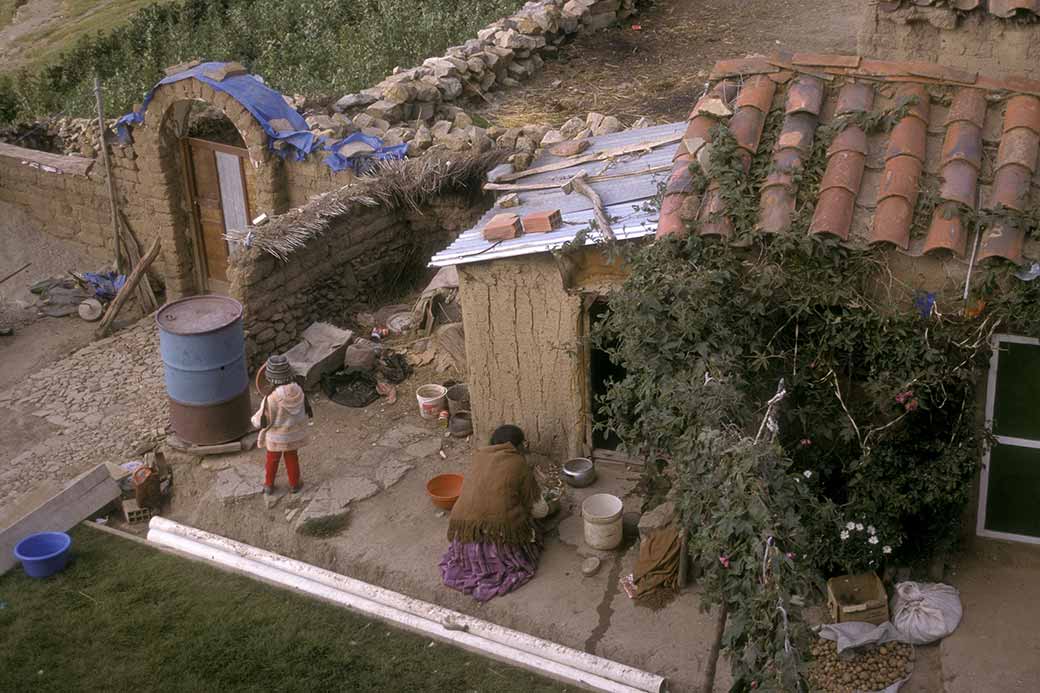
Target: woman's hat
[[278, 370]]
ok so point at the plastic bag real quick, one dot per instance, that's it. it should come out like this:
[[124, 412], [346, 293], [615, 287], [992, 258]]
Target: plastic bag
[[925, 612]]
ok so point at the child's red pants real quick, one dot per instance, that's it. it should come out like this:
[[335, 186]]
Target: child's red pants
[[292, 467]]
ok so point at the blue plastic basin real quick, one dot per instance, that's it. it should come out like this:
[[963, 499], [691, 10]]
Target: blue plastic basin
[[43, 554]]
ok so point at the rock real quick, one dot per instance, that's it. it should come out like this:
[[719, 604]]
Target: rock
[[354, 149], [386, 110], [593, 120], [508, 139], [552, 137], [521, 161], [463, 121], [590, 566], [569, 148], [714, 107], [534, 132], [525, 144], [658, 518], [455, 142], [642, 122], [402, 435], [353, 101], [476, 65], [423, 137], [510, 82], [512, 39], [479, 140], [348, 490], [440, 129], [392, 471], [237, 483], [399, 93], [510, 200], [423, 448], [572, 127], [607, 126], [363, 120], [426, 92], [321, 518], [450, 88]]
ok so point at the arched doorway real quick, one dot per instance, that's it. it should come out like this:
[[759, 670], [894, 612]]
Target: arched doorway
[[205, 167]]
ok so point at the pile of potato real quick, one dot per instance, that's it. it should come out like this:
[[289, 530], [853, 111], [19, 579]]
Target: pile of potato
[[865, 669]]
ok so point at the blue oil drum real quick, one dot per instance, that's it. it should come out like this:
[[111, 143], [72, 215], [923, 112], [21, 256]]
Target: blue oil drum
[[202, 343]]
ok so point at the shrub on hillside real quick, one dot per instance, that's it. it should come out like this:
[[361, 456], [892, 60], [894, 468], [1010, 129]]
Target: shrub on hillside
[[318, 48]]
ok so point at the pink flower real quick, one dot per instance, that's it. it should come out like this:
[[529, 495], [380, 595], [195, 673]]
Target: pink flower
[[902, 397], [724, 560], [911, 405], [805, 442], [790, 555]]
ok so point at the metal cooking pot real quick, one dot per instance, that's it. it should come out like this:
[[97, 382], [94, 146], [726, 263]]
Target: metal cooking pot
[[579, 472]]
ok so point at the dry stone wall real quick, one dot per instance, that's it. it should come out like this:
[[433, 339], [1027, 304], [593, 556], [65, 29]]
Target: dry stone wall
[[354, 264], [974, 41]]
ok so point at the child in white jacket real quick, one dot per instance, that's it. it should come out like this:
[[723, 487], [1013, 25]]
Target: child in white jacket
[[283, 420]]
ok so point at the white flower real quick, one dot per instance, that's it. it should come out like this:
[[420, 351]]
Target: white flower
[[859, 527], [807, 474], [871, 530], [850, 526], [844, 534], [872, 540], [887, 549]]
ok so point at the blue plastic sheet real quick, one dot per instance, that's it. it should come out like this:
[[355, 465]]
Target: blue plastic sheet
[[362, 162], [264, 103], [105, 284]]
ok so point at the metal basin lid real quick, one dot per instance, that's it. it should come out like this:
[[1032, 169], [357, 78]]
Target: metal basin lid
[[198, 314]]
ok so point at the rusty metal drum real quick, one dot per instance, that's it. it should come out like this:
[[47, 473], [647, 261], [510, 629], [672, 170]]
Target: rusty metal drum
[[202, 344]]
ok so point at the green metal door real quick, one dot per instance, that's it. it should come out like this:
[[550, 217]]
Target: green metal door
[[1009, 498]]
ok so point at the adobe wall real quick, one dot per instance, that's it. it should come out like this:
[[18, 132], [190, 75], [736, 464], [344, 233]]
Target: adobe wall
[[975, 41], [354, 264], [525, 347]]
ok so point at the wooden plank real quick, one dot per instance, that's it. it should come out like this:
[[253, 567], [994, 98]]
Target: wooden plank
[[209, 206], [51, 163], [128, 288], [60, 511], [554, 185], [219, 147], [570, 162]]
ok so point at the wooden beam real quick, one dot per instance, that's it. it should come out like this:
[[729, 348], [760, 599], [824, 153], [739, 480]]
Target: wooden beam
[[55, 509], [595, 156], [530, 187], [108, 173], [128, 288]]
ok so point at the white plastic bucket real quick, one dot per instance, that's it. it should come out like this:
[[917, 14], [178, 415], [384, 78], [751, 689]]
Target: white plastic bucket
[[602, 514], [432, 400]]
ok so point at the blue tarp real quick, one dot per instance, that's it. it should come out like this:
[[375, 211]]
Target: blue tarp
[[362, 162], [105, 284], [264, 103]]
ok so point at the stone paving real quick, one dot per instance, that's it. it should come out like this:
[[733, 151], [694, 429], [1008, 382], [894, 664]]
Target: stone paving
[[107, 401]]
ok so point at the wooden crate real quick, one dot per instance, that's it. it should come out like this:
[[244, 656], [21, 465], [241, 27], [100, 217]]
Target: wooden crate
[[857, 598]]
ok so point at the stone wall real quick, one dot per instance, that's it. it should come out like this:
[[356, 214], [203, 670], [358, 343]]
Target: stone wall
[[975, 41], [355, 264]]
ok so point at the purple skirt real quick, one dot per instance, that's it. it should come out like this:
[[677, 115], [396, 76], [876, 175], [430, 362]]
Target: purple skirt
[[486, 570]]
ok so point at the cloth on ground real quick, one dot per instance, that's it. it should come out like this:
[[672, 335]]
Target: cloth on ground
[[496, 500], [857, 633], [105, 284], [361, 163], [393, 367], [286, 411], [351, 387], [658, 564], [264, 103], [485, 570]]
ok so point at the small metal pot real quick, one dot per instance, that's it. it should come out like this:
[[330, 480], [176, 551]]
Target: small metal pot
[[579, 472]]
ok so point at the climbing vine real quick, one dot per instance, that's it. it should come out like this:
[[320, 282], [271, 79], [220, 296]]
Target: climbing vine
[[878, 431]]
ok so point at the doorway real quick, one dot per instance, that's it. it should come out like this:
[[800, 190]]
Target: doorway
[[220, 203], [602, 371], [1010, 483]]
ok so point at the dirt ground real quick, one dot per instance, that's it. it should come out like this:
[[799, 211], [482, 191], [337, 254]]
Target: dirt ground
[[659, 70]]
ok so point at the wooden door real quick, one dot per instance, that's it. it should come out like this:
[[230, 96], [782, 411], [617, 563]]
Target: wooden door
[[217, 184]]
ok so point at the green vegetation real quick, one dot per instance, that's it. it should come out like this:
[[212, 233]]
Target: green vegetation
[[324, 48], [878, 439], [7, 10], [126, 617]]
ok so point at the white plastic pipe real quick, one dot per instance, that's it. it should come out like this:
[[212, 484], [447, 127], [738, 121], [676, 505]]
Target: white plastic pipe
[[535, 654]]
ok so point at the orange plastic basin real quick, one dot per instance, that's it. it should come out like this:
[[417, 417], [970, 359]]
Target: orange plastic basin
[[444, 490]]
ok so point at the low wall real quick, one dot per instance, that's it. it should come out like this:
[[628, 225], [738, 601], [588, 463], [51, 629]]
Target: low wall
[[355, 264], [976, 41]]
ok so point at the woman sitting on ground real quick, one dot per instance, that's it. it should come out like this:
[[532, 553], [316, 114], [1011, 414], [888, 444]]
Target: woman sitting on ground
[[495, 542]]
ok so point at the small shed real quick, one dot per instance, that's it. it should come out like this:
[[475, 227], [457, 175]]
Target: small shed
[[526, 319]]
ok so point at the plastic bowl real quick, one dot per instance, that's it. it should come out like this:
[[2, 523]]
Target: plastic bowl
[[43, 554], [444, 490]]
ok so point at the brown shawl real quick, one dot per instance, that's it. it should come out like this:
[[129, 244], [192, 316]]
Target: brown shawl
[[497, 495]]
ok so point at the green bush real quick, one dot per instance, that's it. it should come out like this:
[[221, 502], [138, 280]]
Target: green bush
[[319, 48]]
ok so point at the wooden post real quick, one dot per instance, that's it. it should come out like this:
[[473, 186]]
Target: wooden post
[[108, 173], [131, 285]]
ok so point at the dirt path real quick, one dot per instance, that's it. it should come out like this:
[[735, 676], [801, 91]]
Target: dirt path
[[659, 69], [30, 18]]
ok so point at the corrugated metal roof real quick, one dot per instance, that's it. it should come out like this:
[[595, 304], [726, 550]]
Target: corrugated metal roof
[[625, 183]]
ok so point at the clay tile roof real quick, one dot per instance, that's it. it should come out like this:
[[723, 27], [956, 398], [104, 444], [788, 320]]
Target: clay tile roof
[[998, 8], [871, 190]]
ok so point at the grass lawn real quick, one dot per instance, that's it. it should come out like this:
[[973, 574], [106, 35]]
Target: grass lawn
[[127, 617]]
